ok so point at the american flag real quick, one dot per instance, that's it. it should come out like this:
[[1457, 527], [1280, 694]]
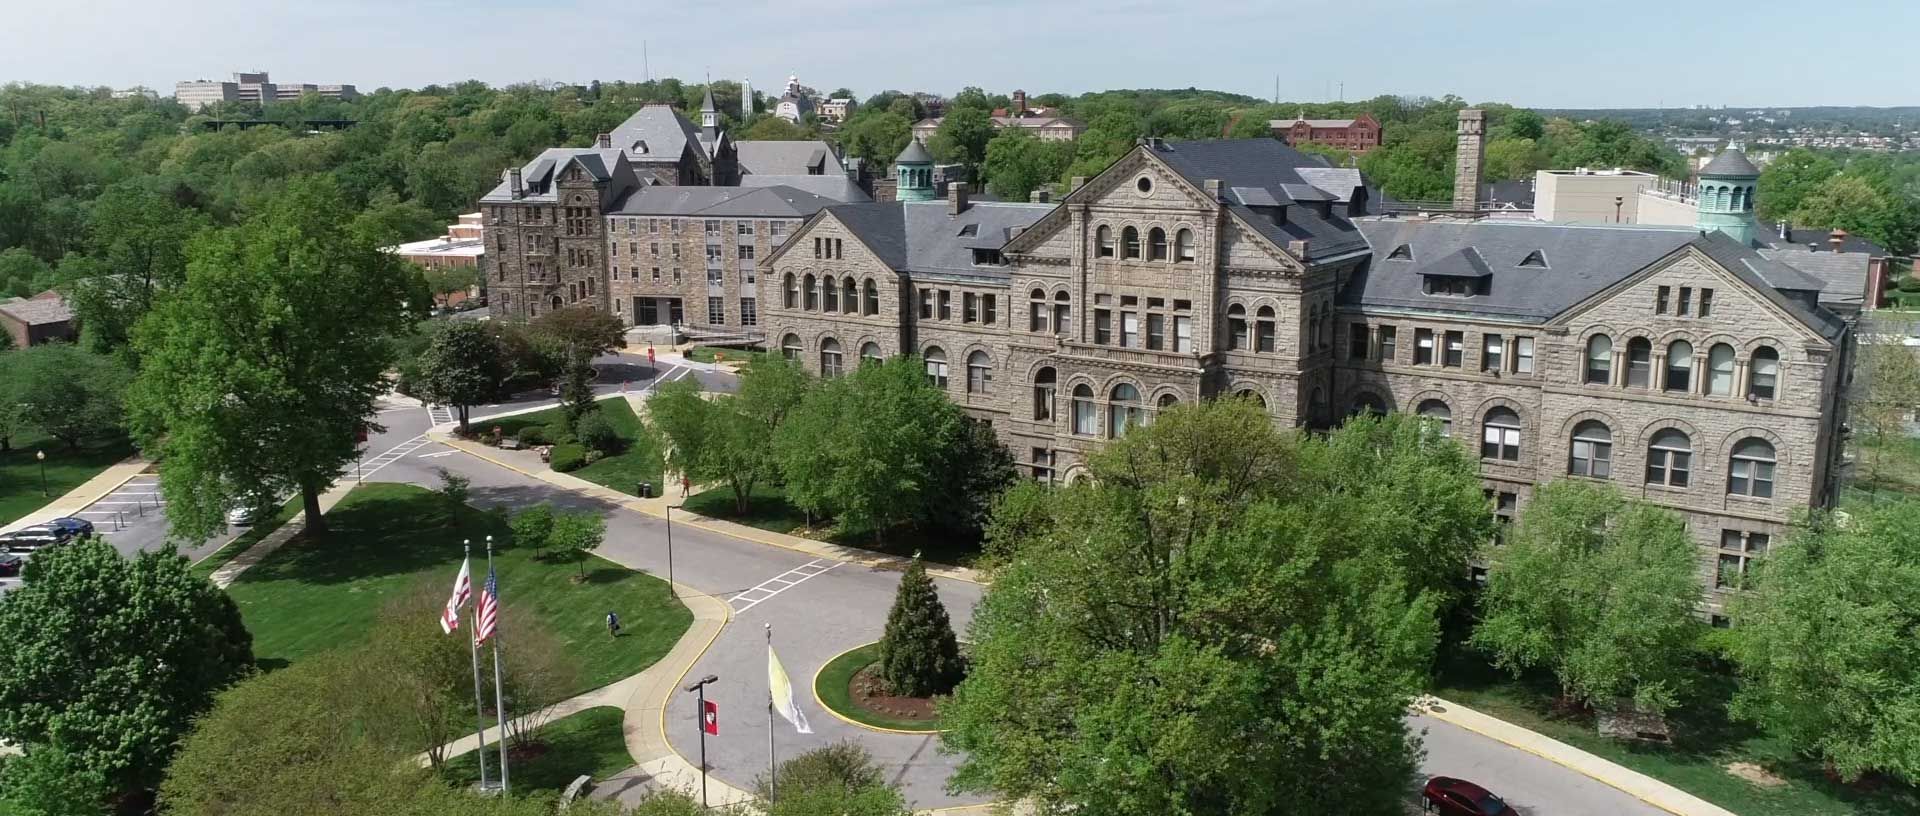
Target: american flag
[[489, 609], [462, 587]]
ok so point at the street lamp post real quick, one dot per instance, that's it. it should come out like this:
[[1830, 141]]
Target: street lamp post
[[42, 456], [699, 687], [671, 588]]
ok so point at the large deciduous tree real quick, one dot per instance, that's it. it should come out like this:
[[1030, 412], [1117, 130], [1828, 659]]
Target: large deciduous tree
[[730, 437], [141, 237], [838, 780], [963, 135], [579, 334], [1179, 635], [1598, 589], [68, 392], [462, 366], [1018, 162], [1823, 634], [109, 658], [261, 370]]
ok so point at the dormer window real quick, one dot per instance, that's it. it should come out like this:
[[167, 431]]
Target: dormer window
[[970, 230], [988, 257], [1403, 252], [1455, 287], [1535, 260], [640, 146]]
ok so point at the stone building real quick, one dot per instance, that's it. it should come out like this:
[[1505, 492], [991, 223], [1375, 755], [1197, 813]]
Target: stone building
[[1685, 368], [546, 230], [1357, 135]]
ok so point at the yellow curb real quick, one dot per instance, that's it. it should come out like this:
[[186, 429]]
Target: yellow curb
[[1446, 708], [22, 522], [849, 720], [677, 683]]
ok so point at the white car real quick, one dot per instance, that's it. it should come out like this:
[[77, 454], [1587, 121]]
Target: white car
[[243, 516]]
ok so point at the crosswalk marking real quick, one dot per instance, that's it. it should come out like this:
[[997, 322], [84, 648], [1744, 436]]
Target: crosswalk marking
[[394, 454], [799, 575], [439, 414]]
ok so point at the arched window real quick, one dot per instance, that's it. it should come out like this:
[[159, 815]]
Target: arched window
[[1236, 326], [1123, 410], [790, 347], [1103, 238], [850, 296], [1639, 362], [792, 288], [1156, 244], [1599, 360], [1183, 245], [1037, 311], [1501, 439], [1062, 314], [1669, 458], [830, 293], [829, 358], [1248, 393], [979, 372], [1679, 365], [1366, 404], [1750, 471], [1043, 388], [1085, 419], [936, 367], [1720, 370], [869, 353], [812, 293], [873, 298], [557, 303], [1166, 401], [1764, 379], [1264, 329], [1592, 452], [1437, 413], [1129, 243]]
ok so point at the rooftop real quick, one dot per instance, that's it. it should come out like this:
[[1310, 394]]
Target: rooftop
[[38, 310], [1252, 172], [441, 247], [721, 202], [926, 237]]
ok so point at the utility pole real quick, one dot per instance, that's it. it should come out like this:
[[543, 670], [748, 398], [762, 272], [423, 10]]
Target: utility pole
[[700, 721]]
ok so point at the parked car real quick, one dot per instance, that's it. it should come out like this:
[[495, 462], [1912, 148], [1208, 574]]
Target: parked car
[[10, 564], [1458, 797], [242, 516], [32, 538], [74, 527]]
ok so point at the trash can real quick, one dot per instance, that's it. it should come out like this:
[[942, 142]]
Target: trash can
[[646, 490]]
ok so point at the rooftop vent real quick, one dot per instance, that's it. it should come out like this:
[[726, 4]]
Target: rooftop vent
[[1535, 259], [1403, 252]]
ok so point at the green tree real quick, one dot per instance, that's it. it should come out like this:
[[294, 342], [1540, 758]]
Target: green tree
[[110, 658], [838, 780], [1860, 206], [50, 781], [962, 136], [1019, 162], [877, 137], [141, 237], [446, 281], [579, 334], [1884, 391], [1175, 611], [20, 271], [69, 393], [731, 436], [1512, 160], [1823, 637], [577, 535], [13, 415], [389, 220], [1598, 589], [463, 366], [296, 381], [919, 655], [533, 527], [1788, 180], [769, 128]]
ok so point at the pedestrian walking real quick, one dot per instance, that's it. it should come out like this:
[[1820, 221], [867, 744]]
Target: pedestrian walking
[[613, 625], [686, 484]]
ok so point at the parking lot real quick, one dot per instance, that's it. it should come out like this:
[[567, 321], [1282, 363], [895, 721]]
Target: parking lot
[[133, 518]]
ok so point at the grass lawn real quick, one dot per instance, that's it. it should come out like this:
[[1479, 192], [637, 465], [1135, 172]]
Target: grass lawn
[[588, 742], [640, 462], [830, 686], [66, 469], [767, 509], [260, 529], [325, 591], [1706, 741], [705, 354], [1883, 470]]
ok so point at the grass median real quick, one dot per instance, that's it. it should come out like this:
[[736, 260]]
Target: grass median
[[833, 687], [28, 483], [640, 462], [324, 591], [207, 566]]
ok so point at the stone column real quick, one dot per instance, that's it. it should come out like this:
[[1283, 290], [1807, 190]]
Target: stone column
[[1657, 378], [1469, 154]]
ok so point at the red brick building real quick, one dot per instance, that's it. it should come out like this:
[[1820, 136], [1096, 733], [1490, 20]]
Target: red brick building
[[1357, 135]]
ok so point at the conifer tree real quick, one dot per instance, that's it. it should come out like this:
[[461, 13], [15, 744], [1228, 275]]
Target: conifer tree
[[919, 655]]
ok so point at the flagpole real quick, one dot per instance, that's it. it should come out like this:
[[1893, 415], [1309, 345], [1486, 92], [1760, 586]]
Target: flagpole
[[479, 708], [499, 699], [773, 792]]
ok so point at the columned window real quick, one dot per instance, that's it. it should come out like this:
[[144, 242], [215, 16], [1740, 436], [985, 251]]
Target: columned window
[[1156, 244], [937, 367], [1720, 370], [1265, 327], [1123, 410], [979, 372], [1085, 415], [792, 288], [849, 296], [873, 298], [1103, 239], [1438, 414], [1750, 469], [1043, 389], [1236, 327], [1037, 311], [1669, 458], [1592, 451], [1062, 313], [1764, 378], [1679, 366], [830, 293], [829, 358], [1639, 363], [1129, 243], [812, 293], [1183, 245], [869, 353], [1501, 439], [1599, 360], [790, 347]]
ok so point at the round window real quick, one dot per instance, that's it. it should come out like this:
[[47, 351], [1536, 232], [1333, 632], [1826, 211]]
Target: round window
[[1145, 185]]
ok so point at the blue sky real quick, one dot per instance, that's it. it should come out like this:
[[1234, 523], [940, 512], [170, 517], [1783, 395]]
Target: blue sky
[[1543, 53]]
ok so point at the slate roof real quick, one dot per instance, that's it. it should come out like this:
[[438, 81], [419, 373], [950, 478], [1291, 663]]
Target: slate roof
[[1518, 193], [1267, 164], [1843, 275], [38, 311], [1800, 237], [787, 158], [721, 202], [1582, 260], [664, 131], [921, 237], [536, 176], [915, 152], [1730, 162], [833, 185]]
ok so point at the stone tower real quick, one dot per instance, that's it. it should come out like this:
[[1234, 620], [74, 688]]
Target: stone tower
[[913, 171], [709, 117], [746, 100], [1470, 151], [1725, 196]]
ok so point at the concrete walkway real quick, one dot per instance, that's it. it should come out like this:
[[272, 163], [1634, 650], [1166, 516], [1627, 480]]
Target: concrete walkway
[[230, 571], [87, 493]]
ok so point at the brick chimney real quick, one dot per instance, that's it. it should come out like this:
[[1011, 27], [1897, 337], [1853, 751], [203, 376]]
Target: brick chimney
[[1298, 249], [603, 141], [1041, 196], [1470, 151], [1078, 182], [956, 198], [1212, 187], [514, 184], [1836, 238], [1019, 102]]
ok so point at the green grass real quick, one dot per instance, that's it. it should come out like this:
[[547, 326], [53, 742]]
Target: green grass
[[640, 462], [705, 354], [767, 509], [1706, 741], [325, 591], [831, 686], [588, 742], [66, 468], [1883, 469], [240, 543]]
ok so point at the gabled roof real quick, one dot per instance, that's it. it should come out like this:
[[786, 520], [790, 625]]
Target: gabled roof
[[1269, 165], [922, 237], [1461, 263], [537, 176], [1730, 162], [1800, 237], [664, 133], [38, 310], [721, 202], [787, 158], [1842, 275], [832, 185]]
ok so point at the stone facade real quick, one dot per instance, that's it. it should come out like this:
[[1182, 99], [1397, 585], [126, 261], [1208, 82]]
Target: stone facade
[[671, 269], [546, 250]]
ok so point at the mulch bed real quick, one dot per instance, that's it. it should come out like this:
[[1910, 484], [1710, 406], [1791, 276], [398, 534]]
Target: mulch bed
[[870, 692]]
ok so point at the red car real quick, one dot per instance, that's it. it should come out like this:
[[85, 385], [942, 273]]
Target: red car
[[1458, 797]]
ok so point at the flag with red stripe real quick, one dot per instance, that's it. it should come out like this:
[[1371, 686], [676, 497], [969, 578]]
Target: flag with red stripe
[[489, 609], [462, 588]]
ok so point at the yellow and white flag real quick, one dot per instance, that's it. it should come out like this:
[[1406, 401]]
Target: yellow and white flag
[[781, 687]]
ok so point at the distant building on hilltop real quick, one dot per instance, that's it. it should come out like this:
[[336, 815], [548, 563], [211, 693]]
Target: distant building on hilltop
[[1357, 135], [795, 103], [1043, 122], [255, 87]]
